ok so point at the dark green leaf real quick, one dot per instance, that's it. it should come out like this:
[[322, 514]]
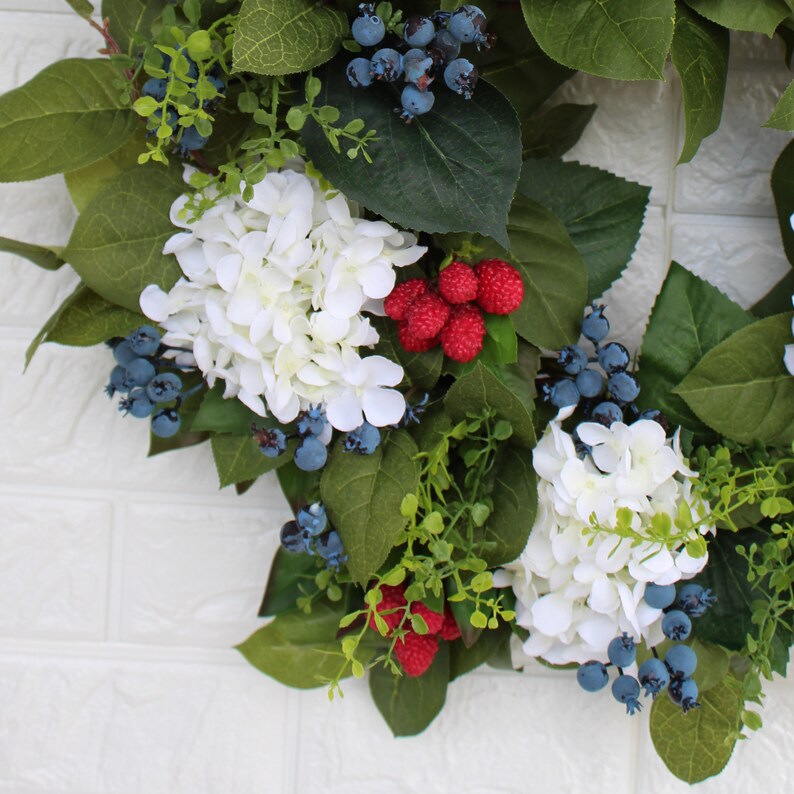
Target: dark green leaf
[[554, 131], [778, 299], [500, 345], [300, 650], [299, 487], [697, 745], [481, 388], [713, 663], [741, 388], [782, 117], [116, 245], [602, 213], [224, 416], [700, 55], [490, 643], [238, 459], [68, 116], [277, 37], [783, 191], [759, 16], [131, 17], [621, 39], [429, 175], [689, 318], [287, 573], [43, 256], [410, 704], [421, 369], [363, 493]]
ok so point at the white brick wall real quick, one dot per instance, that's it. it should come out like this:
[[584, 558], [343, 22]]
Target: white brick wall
[[124, 581]]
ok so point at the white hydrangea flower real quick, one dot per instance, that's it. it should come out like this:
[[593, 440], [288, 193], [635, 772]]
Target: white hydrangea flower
[[272, 295], [576, 590]]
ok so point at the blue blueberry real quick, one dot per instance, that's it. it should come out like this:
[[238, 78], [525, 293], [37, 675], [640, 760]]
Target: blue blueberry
[[217, 83], [684, 693], [622, 651], [117, 381], [413, 411], [681, 661], [415, 102], [419, 31], [694, 600], [311, 454], [613, 358], [606, 413], [137, 404], [564, 393], [166, 423], [572, 359], [271, 441], [626, 690], [624, 387], [592, 676], [331, 549], [164, 387], [659, 596], [467, 24], [590, 383], [595, 326], [155, 87], [359, 73], [293, 538], [312, 518], [368, 30], [123, 353], [139, 372], [192, 140], [461, 76], [676, 625], [144, 340], [417, 66], [311, 422], [444, 47], [654, 676], [387, 65], [364, 439]]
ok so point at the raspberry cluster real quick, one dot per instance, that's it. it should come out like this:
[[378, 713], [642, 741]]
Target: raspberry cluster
[[451, 312], [415, 652]]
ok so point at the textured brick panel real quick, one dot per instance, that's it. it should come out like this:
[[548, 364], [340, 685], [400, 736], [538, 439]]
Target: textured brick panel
[[53, 567]]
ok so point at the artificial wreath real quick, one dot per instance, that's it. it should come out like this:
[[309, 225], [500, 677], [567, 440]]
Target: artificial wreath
[[337, 241]]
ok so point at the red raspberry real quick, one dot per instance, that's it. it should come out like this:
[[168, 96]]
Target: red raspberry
[[393, 599], [463, 333], [458, 283], [449, 629], [415, 652], [410, 343], [434, 620], [426, 315], [400, 298], [501, 289]]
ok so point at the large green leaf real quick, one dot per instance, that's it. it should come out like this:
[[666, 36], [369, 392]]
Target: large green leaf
[[783, 191], [463, 659], [622, 39], [288, 574], [602, 213], [480, 389], [286, 36], [220, 415], [760, 16], [700, 55], [410, 704], [421, 369], [363, 493], [131, 17], [453, 169], [67, 116], [553, 132], [782, 117], [238, 459], [301, 650], [117, 243], [43, 256], [689, 318], [697, 745], [515, 499], [741, 388]]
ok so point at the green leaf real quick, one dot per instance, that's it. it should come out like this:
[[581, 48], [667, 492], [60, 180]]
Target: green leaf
[[82, 7], [299, 487], [481, 388], [363, 494], [554, 131], [621, 39], [689, 318], [778, 299], [782, 117], [277, 37], [783, 191], [421, 369], [116, 245], [287, 573], [428, 175], [67, 116], [713, 664], [238, 459], [741, 388], [500, 345], [410, 704], [490, 643], [602, 213], [43, 256], [219, 415], [131, 17], [759, 16], [697, 745], [301, 650], [700, 55], [515, 499]]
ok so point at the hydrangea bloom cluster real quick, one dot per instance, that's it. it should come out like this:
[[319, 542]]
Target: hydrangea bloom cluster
[[272, 296], [577, 589]]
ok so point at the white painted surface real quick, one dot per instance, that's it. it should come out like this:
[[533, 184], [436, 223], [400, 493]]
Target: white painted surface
[[124, 582]]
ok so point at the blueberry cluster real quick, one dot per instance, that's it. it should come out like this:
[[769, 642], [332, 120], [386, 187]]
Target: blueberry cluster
[[429, 49], [605, 396], [310, 534], [314, 433], [147, 381], [674, 673]]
